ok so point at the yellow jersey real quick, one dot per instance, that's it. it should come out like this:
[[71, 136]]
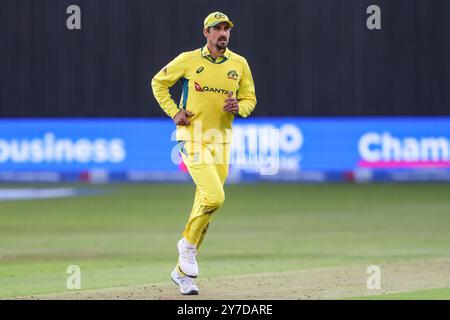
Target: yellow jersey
[[206, 83]]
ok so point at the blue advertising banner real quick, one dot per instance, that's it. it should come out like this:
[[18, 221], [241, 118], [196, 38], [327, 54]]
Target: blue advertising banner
[[270, 149]]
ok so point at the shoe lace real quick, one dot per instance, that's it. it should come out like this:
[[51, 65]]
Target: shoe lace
[[190, 254], [186, 281]]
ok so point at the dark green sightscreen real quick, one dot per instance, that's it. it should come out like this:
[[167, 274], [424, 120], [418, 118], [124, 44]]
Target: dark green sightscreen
[[308, 57]]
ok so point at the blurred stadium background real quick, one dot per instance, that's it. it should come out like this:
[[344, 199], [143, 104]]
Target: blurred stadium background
[[352, 105]]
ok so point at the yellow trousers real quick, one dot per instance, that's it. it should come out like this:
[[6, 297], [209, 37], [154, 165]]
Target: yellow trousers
[[208, 166]]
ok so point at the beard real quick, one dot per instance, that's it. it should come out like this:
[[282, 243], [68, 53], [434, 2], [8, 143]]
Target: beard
[[221, 46]]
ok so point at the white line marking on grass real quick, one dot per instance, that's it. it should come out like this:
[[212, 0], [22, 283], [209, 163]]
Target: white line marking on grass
[[30, 194]]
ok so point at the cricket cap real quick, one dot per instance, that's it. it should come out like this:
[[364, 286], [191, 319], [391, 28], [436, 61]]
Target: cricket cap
[[215, 18]]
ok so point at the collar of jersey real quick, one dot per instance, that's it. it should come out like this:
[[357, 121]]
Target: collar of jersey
[[207, 54]]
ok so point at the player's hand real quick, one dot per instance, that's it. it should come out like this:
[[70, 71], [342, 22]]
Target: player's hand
[[231, 104], [181, 118]]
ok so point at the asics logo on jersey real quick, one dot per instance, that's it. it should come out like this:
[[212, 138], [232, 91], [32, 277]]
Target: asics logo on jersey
[[209, 89], [200, 69]]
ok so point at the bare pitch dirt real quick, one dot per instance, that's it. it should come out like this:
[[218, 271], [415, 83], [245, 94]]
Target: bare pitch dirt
[[323, 283]]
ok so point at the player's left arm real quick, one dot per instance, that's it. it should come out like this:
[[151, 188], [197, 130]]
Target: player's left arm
[[246, 94]]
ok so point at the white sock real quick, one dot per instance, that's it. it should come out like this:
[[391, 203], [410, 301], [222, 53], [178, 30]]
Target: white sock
[[187, 244]]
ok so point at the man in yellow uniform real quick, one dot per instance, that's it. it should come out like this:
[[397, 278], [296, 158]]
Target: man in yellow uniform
[[217, 85]]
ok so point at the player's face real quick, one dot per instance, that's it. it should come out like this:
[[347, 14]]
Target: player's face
[[219, 35]]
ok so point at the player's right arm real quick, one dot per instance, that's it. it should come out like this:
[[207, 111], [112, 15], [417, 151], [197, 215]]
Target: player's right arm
[[164, 80]]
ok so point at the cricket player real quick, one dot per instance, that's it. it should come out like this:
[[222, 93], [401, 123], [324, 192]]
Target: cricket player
[[217, 86]]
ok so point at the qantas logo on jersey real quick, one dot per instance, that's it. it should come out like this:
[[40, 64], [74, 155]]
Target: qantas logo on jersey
[[199, 88]]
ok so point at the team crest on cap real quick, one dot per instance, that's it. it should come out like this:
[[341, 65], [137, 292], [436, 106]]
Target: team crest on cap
[[219, 15], [232, 75]]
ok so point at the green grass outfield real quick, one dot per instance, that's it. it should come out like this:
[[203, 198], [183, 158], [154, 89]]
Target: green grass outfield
[[430, 294], [127, 234]]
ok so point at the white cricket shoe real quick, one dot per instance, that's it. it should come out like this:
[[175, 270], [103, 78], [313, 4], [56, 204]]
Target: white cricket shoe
[[186, 284], [186, 260]]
